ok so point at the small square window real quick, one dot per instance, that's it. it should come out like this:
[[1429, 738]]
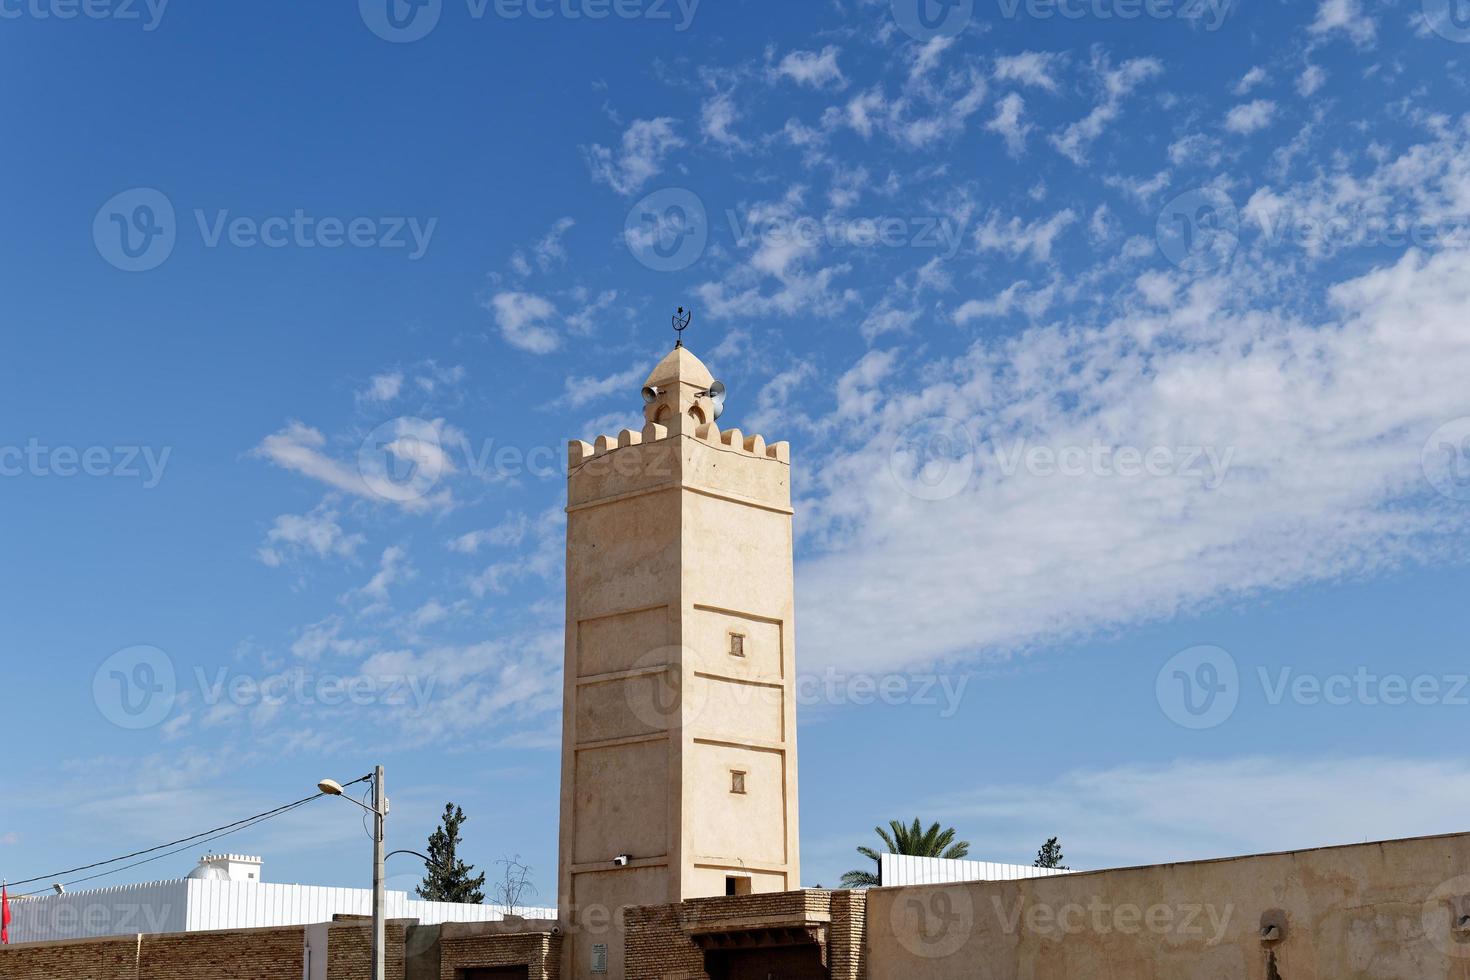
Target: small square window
[[737, 644], [737, 781], [737, 885]]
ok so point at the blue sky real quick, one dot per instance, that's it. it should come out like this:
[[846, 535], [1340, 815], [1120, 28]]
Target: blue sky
[[1121, 348]]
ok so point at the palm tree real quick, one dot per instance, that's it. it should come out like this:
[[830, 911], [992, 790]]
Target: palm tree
[[911, 840]]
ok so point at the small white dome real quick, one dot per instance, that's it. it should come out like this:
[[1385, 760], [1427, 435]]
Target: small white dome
[[209, 872]]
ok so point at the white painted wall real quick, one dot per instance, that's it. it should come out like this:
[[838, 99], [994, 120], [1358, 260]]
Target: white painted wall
[[193, 905], [903, 869]]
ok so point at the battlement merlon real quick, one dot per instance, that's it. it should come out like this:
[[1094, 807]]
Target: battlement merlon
[[680, 444]]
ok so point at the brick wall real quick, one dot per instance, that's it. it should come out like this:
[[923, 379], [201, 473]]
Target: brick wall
[[350, 950], [463, 948], [659, 946], [848, 937], [245, 954], [100, 959]]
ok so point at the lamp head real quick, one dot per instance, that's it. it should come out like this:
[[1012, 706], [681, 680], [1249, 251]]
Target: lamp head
[[330, 787], [716, 393]]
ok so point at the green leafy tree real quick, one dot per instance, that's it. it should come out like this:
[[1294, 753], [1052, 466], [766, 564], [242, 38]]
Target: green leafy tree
[[1050, 855], [912, 840], [449, 879]]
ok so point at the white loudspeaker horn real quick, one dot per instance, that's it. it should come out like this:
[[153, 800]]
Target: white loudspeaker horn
[[716, 395], [650, 394]]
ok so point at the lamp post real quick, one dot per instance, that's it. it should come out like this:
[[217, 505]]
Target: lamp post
[[379, 810]]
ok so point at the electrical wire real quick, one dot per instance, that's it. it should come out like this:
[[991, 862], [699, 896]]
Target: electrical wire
[[188, 842], [177, 850]]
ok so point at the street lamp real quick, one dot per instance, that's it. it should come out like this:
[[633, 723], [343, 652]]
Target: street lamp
[[379, 810]]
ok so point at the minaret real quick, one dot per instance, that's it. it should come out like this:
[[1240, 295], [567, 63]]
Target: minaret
[[679, 730]]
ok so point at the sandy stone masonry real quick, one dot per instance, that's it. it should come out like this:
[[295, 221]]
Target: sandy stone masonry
[[580, 452], [679, 775]]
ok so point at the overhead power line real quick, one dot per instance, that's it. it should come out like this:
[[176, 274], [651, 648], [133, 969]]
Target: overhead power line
[[188, 842]]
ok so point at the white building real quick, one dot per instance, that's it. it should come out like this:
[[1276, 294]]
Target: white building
[[223, 892], [905, 869]]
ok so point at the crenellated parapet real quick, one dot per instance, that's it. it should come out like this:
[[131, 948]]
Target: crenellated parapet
[[731, 440]]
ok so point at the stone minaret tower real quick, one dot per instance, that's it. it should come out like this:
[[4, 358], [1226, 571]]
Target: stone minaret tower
[[679, 736]]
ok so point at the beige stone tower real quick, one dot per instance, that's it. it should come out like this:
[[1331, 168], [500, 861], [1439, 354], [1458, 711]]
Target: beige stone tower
[[679, 736]]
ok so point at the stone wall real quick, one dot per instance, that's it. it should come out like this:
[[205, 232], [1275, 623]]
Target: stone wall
[[246, 954], [350, 950], [1370, 911], [661, 944], [464, 945]]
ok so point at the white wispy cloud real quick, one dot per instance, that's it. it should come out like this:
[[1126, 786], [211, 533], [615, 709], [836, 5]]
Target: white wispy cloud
[[509, 533], [1250, 80], [547, 252], [417, 444], [1007, 122], [1347, 17], [525, 321], [1117, 84], [393, 568], [640, 157], [317, 533], [717, 117], [1249, 117], [1278, 505], [1312, 78], [817, 69], [1016, 238], [1039, 69], [382, 387]]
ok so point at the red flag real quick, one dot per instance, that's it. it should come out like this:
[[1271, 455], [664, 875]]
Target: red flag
[[4, 916]]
